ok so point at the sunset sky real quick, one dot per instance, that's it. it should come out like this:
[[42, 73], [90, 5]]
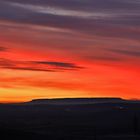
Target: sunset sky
[[69, 48]]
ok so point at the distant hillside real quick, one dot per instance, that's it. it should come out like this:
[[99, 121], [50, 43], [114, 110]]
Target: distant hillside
[[76, 101]]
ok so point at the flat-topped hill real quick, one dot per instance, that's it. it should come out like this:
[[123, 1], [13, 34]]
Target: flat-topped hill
[[76, 100]]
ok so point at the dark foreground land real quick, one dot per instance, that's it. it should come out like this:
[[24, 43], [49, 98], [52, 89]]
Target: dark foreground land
[[71, 119]]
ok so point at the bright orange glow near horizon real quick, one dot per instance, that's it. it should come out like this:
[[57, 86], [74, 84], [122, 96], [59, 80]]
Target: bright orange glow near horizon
[[68, 53]]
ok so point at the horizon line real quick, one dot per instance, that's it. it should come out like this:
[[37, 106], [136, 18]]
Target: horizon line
[[34, 99]]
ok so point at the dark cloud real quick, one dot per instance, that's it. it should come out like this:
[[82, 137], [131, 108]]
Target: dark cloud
[[3, 49], [28, 69], [58, 64], [104, 58], [46, 66], [6, 63], [126, 52]]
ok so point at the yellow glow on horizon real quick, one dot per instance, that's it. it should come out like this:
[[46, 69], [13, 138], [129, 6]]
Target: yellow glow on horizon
[[23, 95]]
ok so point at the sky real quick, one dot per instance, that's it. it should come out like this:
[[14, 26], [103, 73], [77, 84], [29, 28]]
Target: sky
[[69, 49]]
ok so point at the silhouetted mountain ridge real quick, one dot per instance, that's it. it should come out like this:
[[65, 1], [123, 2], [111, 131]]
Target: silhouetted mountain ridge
[[76, 100]]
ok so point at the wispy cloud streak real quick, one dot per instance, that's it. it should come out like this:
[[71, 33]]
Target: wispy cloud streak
[[46, 66]]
